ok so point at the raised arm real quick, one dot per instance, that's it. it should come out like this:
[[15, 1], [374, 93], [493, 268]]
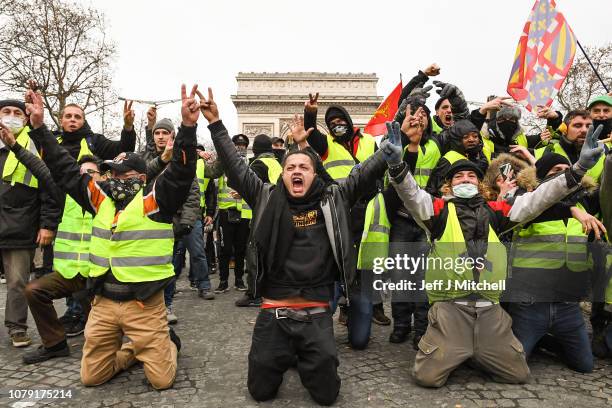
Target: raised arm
[[317, 141], [107, 149], [238, 174]]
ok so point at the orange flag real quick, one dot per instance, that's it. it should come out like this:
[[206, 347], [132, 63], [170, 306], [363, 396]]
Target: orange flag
[[385, 113]]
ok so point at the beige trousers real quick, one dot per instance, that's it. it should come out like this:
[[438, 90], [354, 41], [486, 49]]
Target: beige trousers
[[457, 333], [146, 326]]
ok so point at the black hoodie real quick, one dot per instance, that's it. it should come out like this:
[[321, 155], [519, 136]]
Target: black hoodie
[[99, 145]]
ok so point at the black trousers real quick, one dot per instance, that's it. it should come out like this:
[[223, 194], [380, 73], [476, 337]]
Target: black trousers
[[234, 238], [276, 345]]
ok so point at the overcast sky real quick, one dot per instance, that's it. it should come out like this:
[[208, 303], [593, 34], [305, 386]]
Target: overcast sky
[[162, 44]]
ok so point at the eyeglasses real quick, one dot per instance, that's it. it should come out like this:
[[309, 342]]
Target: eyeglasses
[[92, 171]]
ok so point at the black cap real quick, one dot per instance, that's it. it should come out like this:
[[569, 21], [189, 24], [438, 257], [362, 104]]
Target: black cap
[[547, 162], [240, 139], [262, 144], [462, 165], [13, 102], [124, 163]]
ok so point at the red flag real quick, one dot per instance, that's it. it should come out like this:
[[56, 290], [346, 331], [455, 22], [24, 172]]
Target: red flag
[[543, 57], [385, 113]]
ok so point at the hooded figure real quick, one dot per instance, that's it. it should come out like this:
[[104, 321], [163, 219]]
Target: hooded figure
[[465, 143]]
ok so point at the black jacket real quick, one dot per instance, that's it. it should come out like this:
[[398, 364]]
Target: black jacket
[[335, 205], [24, 210], [99, 145]]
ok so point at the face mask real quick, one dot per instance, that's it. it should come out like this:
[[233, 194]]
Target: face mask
[[607, 127], [339, 130], [465, 190], [123, 190], [13, 123], [279, 153], [507, 128]]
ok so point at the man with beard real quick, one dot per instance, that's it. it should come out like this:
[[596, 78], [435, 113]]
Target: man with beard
[[130, 254], [302, 242], [340, 150], [577, 123]]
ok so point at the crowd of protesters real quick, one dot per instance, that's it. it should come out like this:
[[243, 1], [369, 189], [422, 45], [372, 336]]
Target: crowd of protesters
[[306, 224]]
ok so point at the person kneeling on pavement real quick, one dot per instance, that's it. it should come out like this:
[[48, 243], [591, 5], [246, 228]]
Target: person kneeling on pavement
[[130, 252], [466, 320], [301, 239]]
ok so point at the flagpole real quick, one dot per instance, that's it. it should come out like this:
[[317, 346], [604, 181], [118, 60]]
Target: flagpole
[[592, 66]]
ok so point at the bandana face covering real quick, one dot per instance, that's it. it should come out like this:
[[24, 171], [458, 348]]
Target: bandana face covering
[[123, 190]]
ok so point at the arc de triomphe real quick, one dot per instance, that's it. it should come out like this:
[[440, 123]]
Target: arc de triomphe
[[266, 102]]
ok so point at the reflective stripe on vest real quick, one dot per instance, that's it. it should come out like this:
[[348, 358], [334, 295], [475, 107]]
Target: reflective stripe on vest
[[71, 247], [339, 162], [14, 171], [202, 181], [139, 249], [594, 173], [375, 237], [426, 162], [552, 245], [224, 199], [451, 245], [274, 171]]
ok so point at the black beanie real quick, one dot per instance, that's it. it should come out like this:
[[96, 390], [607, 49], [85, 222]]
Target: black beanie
[[462, 165], [15, 103], [547, 162], [262, 144]]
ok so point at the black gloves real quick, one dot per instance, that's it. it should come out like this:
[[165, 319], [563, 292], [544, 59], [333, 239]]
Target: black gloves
[[456, 99]]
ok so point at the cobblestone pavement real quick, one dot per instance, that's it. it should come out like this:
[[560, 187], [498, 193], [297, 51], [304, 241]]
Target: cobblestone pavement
[[213, 365]]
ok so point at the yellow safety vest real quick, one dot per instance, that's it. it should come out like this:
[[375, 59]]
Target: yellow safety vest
[[375, 237], [453, 156], [339, 162], [435, 128], [426, 162], [71, 246], [594, 173], [224, 200], [551, 245], [202, 181], [14, 171], [137, 250], [274, 171], [446, 265]]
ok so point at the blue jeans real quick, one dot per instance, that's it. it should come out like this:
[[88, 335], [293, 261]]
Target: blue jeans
[[194, 243], [359, 313], [531, 322]]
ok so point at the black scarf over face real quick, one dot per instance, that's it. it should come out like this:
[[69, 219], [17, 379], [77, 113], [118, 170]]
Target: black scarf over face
[[275, 231], [78, 134]]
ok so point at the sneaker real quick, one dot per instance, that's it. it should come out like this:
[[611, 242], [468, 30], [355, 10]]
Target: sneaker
[[378, 316], [240, 286], [77, 328], [172, 319], [343, 316], [212, 269], [67, 320], [247, 301], [42, 354], [21, 339], [175, 339], [206, 294], [222, 288], [2, 278], [399, 335], [193, 285]]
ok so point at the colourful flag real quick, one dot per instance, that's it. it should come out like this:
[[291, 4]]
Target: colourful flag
[[543, 57], [385, 113]]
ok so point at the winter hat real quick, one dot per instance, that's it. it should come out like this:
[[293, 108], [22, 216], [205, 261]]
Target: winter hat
[[462, 165], [165, 124], [508, 113], [547, 162], [13, 102], [262, 144]]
